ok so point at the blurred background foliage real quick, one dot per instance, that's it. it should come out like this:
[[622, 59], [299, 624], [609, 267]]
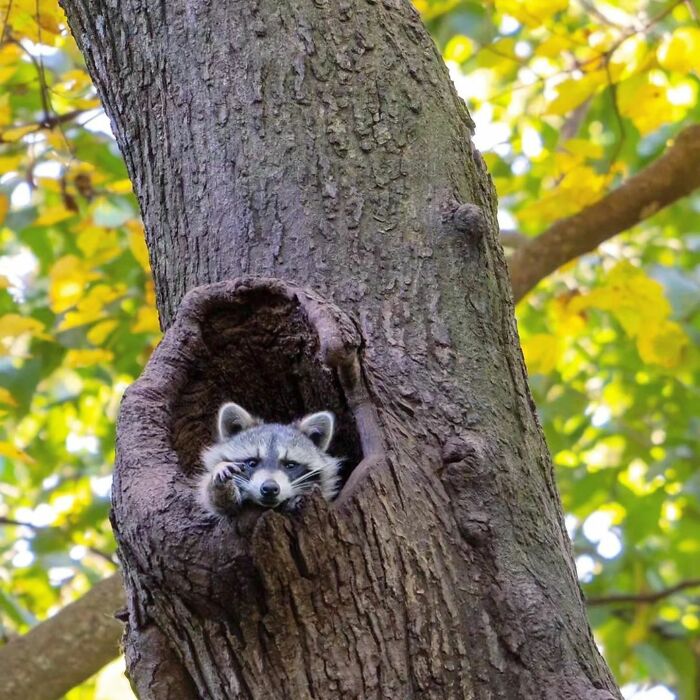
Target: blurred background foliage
[[569, 97]]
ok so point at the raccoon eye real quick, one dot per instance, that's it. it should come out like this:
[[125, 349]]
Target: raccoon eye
[[250, 463], [292, 465]]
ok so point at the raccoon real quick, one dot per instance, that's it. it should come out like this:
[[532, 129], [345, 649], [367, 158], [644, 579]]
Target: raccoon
[[267, 463]]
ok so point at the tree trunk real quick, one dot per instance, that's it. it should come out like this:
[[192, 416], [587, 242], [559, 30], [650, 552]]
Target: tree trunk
[[322, 143]]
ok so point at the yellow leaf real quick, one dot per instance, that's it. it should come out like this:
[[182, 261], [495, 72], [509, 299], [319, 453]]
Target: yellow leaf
[[637, 301], [137, 244], [690, 622], [574, 91], [13, 326], [50, 184], [645, 100], [91, 306], [10, 54], [681, 50], [120, 187], [9, 163], [8, 449], [531, 12], [459, 48], [81, 317], [68, 279], [32, 19], [49, 23], [62, 104], [4, 282], [53, 215], [553, 46], [5, 110], [11, 135], [100, 332], [4, 207], [82, 168], [435, 8], [632, 56], [87, 357], [583, 186], [56, 140], [146, 321], [78, 79], [541, 352], [6, 397], [567, 320], [493, 55], [577, 188], [640, 305], [584, 149], [98, 244], [663, 344], [6, 73]]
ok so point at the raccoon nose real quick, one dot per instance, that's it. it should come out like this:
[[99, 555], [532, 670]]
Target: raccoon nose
[[269, 490]]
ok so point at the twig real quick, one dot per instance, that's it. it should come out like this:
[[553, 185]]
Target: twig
[[616, 109], [6, 23], [693, 10], [644, 598], [40, 528], [49, 123]]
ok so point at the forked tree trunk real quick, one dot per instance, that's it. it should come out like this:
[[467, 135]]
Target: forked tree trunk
[[322, 143]]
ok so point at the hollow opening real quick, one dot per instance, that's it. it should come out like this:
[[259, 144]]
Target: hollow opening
[[261, 351]]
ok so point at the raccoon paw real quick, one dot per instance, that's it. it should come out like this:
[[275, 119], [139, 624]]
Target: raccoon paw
[[224, 471], [293, 504]]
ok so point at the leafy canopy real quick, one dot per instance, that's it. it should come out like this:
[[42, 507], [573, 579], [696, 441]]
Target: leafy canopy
[[570, 97]]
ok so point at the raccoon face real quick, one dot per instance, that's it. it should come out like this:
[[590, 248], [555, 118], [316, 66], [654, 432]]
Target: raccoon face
[[277, 471], [271, 463]]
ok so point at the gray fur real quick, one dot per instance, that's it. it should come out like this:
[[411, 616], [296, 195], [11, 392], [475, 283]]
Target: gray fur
[[229, 479], [232, 419]]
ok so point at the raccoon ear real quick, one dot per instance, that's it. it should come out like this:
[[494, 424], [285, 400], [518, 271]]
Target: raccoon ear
[[232, 419], [318, 427]]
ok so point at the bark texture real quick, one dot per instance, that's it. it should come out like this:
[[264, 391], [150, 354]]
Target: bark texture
[[323, 143]]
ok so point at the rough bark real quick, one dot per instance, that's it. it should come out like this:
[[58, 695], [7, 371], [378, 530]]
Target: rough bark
[[673, 176], [323, 143], [61, 653]]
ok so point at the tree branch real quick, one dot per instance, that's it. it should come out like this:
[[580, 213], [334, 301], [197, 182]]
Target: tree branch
[[650, 597], [663, 182], [66, 649], [513, 239]]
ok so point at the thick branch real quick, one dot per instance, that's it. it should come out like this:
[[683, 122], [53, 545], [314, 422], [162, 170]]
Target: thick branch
[[513, 239], [666, 180], [650, 597], [68, 648]]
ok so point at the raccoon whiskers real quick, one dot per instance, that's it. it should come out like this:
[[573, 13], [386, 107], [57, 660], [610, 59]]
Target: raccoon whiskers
[[306, 477]]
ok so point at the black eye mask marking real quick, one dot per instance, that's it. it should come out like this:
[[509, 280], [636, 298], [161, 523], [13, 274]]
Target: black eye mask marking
[[246, 465]]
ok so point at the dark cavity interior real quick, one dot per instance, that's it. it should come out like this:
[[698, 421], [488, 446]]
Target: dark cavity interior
[[263, 354]]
